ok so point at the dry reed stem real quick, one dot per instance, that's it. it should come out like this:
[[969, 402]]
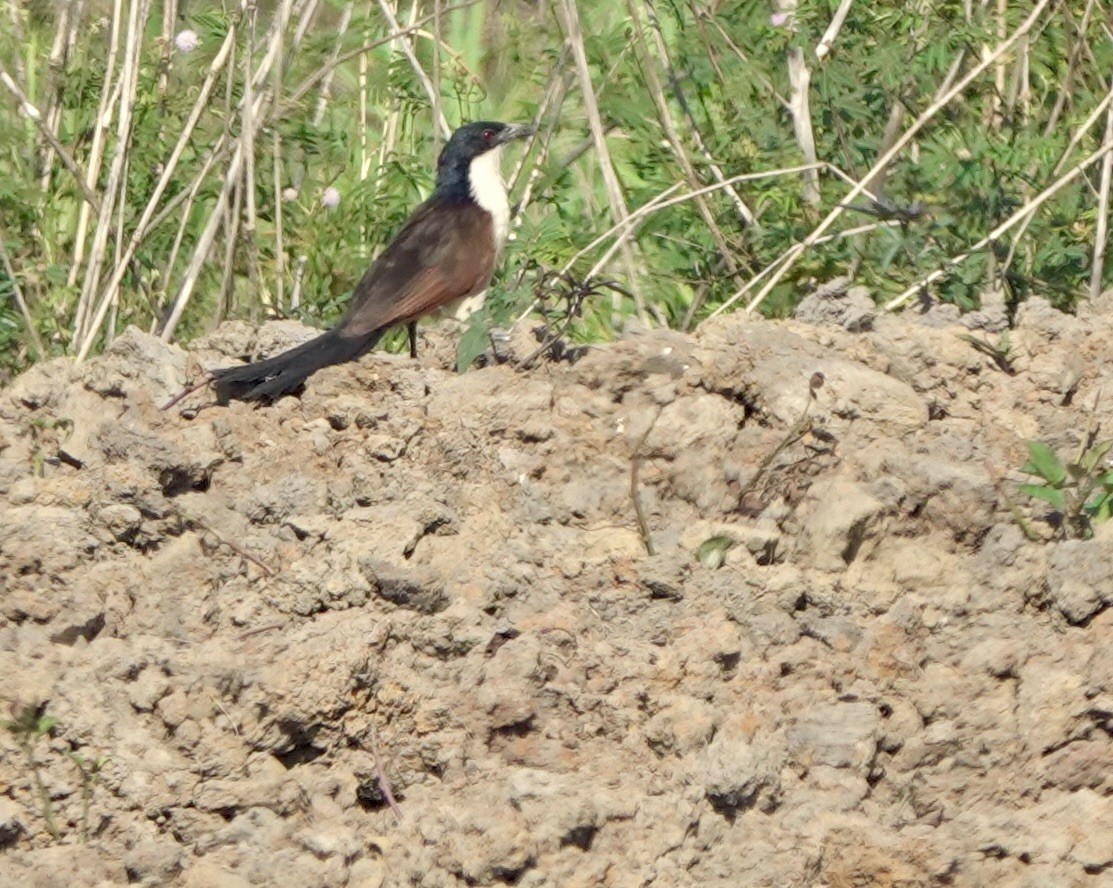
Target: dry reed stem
[[1091, 119], [832, 33], [789, 258], [1101, 234], [60, 48], [37, 118], [799, 100], [235, 164]]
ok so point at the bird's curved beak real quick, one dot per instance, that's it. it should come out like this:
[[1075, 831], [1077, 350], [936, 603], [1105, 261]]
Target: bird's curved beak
[[515, 131]]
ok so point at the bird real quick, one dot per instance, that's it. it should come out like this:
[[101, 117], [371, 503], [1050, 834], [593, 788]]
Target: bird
[[441, 258]]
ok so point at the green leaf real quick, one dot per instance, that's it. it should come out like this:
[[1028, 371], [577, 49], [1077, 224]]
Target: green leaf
[[1044, 462], [1050, 495], [1095, 455], [712, 552], [472, 343]]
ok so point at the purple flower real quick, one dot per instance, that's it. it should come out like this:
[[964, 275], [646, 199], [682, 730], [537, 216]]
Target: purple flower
[[330, 198], [778, 19], [186, 41]]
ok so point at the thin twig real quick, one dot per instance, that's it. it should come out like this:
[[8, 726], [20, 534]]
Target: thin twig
[[635, 491], [1097, 266], [797, 430], [384, 782]]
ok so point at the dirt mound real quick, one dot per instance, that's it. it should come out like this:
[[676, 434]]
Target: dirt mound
[[844, 664]]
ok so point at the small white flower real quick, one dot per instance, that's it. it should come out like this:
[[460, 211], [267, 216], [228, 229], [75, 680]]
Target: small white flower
[[330, 198], [186, 41], [777, 19], [289, 194]]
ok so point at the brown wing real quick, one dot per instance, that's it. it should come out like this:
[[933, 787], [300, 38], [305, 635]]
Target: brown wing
[[444, 252]]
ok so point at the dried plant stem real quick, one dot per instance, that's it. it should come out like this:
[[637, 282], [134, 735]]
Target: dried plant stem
[[745, 214], [635, 490], [554, 97], [247, 151], [788, 260], [384, 782], [1097, 266], [233, 216], [204, 244], [799, 100], [1028, 208], [832, 33], [573, 33], [1066, 85], [326, 70], [64, 36], [1091, 119]]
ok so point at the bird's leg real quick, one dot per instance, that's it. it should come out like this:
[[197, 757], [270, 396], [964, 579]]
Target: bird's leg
[[411, 329]]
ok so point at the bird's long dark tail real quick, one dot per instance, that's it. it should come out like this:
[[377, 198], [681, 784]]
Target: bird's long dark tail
[[284, 374]]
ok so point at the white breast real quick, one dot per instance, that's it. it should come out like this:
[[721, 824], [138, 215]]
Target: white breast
[[489, 191]]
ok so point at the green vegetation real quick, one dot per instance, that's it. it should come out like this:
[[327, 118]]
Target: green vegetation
[[172, 170], [1080, 492], [30, 724]]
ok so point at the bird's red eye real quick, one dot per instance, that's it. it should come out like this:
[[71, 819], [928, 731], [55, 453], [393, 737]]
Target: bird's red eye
[[488, 135]]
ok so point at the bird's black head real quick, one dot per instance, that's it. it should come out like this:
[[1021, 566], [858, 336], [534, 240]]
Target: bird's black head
[[473, 139]]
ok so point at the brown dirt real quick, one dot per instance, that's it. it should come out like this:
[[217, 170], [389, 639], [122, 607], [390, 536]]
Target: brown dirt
[[884, 682]]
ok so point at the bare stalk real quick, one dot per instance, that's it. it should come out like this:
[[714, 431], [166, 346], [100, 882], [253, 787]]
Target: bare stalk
[[235, 165], [1097, 267], [64, 36], [668, 125], [799, 100], [831, 34], [745, 214]]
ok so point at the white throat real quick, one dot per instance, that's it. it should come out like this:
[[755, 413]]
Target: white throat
[[488, 190]]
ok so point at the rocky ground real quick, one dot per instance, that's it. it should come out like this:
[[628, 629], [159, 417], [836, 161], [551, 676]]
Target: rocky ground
[[845, 664]]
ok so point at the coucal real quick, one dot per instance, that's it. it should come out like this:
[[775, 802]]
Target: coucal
[[442, 258]]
